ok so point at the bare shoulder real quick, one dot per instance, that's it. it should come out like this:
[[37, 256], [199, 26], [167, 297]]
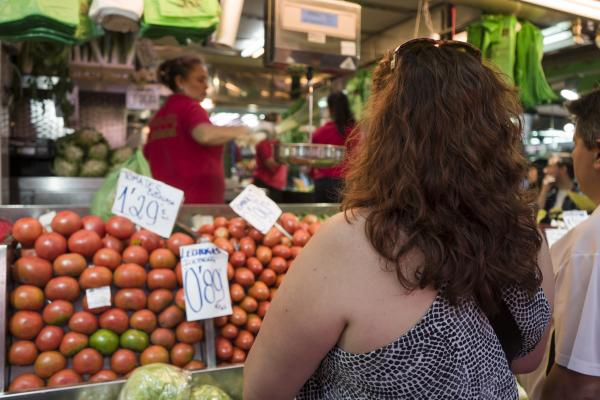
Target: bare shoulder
[[343, 229], [341, 245]]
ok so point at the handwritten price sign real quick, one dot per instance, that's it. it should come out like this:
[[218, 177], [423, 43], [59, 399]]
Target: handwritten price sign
[[204, 269], [147, 202], [255, 207]]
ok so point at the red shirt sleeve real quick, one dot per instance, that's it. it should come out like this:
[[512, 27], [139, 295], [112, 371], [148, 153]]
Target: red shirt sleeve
[[191, 115], [264, 150]]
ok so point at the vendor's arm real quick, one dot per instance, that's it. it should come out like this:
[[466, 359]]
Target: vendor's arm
[[212, 135], [530, 362], [304, 322]]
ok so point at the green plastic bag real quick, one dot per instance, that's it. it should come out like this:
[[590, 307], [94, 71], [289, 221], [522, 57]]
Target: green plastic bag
[[63, 12], [183, 19], [529, 74], [105, 196], [496, 37]]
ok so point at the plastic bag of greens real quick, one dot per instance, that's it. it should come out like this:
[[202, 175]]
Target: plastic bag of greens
[[208, 392], [105, 196], [157, 382]]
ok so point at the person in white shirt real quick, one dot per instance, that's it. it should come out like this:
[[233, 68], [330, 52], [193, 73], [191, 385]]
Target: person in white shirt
[[575, 373]]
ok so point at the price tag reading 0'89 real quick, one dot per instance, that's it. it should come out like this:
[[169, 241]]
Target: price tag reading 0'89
[[147, 202], [205, 284]]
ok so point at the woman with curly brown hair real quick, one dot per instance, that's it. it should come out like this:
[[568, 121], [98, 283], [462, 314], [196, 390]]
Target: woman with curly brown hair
[[434, 282]]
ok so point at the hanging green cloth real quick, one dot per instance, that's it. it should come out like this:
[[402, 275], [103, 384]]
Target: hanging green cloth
[[496, 37], [529, 74]]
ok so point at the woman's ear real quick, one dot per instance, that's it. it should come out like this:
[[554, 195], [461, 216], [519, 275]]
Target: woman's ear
[[179, 82]]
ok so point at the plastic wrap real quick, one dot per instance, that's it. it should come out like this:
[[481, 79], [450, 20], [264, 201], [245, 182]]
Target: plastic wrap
[[208, 392], [157, 382]]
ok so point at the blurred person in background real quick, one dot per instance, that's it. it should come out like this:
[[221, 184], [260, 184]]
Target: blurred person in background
[[532, 180], [558, 182], [421, 287], [184, 148], [268, 173], [338, 131], [575, 367]]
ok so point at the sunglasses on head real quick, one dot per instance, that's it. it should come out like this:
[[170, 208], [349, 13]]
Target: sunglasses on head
[[415, 43]]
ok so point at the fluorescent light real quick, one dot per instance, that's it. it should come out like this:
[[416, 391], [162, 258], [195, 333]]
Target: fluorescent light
[[557, 37], [583, 8], [569, 94]]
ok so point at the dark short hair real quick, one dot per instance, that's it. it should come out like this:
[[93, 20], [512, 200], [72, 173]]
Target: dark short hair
[[586, 113], [567, 162], [169, 70]]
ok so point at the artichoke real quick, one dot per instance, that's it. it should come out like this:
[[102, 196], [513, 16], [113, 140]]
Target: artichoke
[[120, 155], [87, 137], [99, 151], [93, 168], [62, 167], [72, 153]]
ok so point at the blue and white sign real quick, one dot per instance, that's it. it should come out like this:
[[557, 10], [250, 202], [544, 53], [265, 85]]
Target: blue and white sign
[[147, 202], [205, 284]]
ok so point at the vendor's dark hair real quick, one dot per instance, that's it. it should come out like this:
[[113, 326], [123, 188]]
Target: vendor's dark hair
[[339, 108], [586, 112], [439, 170], [171, 69], [567, 163]]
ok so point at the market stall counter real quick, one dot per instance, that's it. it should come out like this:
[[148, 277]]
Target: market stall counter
[[221, 369]]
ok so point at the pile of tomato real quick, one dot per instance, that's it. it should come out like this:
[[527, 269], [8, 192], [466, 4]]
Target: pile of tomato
[[57, 339], [257, 266]]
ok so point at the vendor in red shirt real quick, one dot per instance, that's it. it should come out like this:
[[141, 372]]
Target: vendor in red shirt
[[329, 181], [184, 149], [269, 174]]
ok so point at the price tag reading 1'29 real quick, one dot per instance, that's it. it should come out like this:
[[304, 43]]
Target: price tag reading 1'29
[[147, 202], [205, 284]]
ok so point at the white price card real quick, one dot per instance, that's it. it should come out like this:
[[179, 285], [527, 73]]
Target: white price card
[[553, 235], [205, 284], [143, 97], [255, 207], [572, 218], [147, 202], [98, 297]]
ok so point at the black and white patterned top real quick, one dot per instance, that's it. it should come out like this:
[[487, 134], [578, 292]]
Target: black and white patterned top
[[451, 353]]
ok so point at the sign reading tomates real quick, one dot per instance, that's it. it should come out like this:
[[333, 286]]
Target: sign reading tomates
[[147, 202], [255, 207], [205, 284]]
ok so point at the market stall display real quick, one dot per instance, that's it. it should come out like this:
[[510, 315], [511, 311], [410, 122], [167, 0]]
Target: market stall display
[[128, 330], [257, 266], [60, 335]]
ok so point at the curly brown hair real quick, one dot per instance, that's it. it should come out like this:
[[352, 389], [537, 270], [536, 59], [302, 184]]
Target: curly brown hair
[[440, 170]]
